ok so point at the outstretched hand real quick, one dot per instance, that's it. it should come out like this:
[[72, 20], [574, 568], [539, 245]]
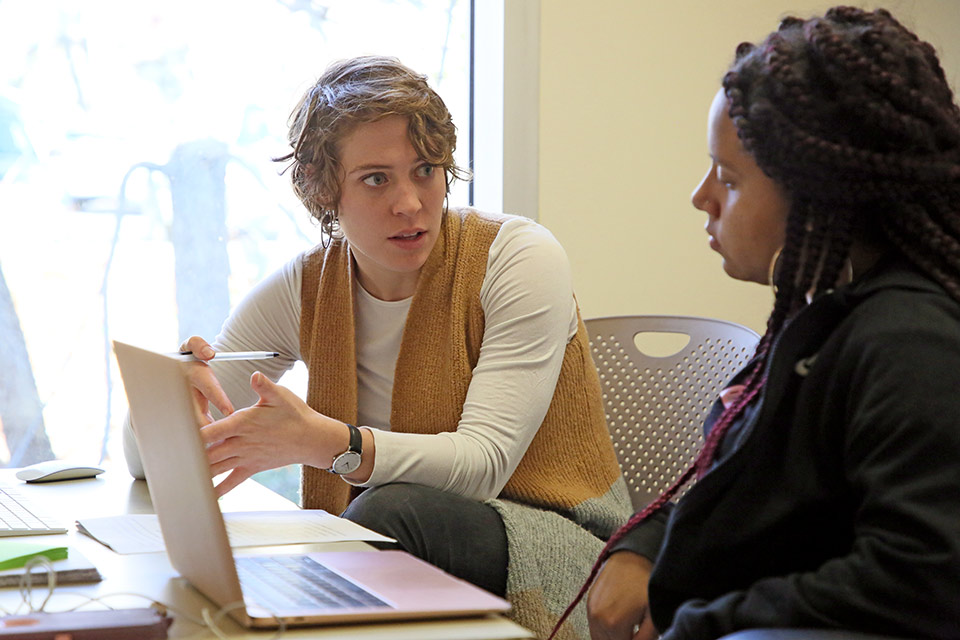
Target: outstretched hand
[[617, 607], [280, 429]]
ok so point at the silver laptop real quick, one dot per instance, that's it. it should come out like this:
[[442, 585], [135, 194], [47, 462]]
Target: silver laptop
[[302, 589]]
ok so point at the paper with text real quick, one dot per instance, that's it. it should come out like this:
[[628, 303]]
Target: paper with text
[[140, 533]]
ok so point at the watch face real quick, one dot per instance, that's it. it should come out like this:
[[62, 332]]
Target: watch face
[[346, 462]]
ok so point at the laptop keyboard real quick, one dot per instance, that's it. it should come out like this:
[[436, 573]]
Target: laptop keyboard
[[295, 582], [19, 516]]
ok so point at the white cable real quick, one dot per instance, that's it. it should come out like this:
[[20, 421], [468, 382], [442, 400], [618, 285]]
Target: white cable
[[213, 623], [209, 621], [26, 581]]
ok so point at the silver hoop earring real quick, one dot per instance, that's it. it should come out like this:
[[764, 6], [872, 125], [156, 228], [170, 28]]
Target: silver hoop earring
[[329, 226], [330, 221]]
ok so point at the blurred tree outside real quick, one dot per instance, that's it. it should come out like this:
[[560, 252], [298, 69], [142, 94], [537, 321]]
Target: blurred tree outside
[[151, 257], [21, 414]]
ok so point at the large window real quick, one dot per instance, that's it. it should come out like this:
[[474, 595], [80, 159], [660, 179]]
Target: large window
[[138, 200]]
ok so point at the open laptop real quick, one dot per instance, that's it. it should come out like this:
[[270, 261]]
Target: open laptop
[[366, 585]]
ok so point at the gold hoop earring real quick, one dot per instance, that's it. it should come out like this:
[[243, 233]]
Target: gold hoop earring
[[772, 271], [846, 273]]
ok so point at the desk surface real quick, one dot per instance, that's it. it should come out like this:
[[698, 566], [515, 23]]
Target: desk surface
[[133, 580]]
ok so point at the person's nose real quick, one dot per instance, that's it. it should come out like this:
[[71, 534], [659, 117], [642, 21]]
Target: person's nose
[[407, 199], [701, 196]]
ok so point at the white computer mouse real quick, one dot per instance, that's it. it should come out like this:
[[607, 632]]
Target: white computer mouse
[[53, 470]]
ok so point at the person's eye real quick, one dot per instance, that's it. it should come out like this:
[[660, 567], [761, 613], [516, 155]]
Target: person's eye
[[724, 179], [425, 170], [375, 180]]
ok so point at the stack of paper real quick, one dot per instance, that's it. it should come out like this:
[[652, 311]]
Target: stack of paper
[[70, 566]]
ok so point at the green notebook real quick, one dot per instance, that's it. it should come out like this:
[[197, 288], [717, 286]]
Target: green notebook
[[15, 554]]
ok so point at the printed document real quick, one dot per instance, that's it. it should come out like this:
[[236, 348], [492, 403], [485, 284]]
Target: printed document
[[140, 533]]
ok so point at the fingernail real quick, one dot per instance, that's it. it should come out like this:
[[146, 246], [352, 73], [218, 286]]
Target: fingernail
[[207, 352]]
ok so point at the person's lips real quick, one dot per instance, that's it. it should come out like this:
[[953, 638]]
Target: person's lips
[[408, 237]]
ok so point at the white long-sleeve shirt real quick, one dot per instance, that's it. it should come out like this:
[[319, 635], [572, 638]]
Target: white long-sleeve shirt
[[530, 315]]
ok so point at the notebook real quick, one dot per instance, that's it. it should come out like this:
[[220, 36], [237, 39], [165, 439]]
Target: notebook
[[14, 554], [69, 565], [366, 585]]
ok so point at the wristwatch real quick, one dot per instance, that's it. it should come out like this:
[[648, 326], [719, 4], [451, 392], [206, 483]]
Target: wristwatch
[[349, 460]]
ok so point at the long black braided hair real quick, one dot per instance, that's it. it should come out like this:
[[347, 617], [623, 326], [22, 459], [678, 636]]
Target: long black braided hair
[[851, 114]]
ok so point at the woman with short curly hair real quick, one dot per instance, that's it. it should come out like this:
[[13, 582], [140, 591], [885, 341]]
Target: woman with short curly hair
[[452, 402]]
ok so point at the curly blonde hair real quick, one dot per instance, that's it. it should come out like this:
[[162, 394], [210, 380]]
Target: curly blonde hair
[[353, 92]]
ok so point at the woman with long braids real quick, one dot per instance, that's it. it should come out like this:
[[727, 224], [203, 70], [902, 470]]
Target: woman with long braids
[[828, 491]]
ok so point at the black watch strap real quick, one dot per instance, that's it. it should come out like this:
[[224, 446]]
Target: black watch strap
[[349, 460], [356, 439]]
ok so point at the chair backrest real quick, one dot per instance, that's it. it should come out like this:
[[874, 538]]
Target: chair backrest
[[656, 404]]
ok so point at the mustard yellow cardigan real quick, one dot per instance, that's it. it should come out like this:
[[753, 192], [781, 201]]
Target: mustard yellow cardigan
[[570, 469]]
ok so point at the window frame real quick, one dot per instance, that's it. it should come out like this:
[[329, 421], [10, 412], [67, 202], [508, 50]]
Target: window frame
[[505, 106]]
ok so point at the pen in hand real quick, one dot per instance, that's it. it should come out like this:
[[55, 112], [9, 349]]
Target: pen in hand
[[187, 356]]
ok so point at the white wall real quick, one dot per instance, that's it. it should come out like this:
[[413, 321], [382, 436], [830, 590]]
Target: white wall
[[624, 91]]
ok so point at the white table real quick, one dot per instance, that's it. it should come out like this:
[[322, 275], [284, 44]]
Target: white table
[[132, 580]]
